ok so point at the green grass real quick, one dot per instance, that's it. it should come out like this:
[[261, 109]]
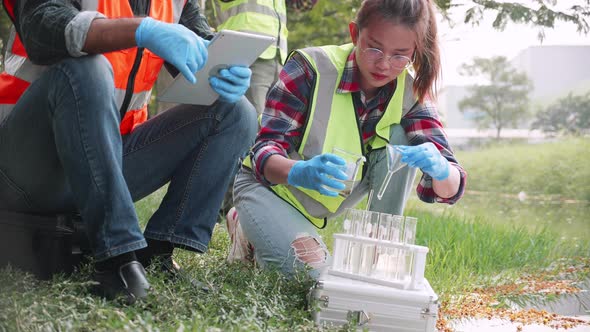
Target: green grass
[[559, 168], [555, 177], [466, 251], [463, 254], [243, 298]]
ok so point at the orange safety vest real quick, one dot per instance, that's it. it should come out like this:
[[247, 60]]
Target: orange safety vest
[[132, 97]]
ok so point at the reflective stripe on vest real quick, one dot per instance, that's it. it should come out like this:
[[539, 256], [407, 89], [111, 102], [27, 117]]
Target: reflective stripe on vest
[[337, 127], [266, 17], [20, 71]]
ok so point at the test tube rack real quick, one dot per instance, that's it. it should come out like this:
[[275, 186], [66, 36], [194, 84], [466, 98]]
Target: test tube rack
[[379, 248]]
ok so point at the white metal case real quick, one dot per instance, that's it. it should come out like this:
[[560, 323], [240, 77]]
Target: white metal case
[[336, 301]]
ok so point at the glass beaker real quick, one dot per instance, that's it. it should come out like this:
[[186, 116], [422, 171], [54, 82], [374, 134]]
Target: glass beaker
[[353, 165]]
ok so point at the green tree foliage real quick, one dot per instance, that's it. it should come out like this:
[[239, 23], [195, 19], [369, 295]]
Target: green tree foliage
[[503, 101], [4, 29], [569, 116], [541, 13], [325, 24], [328, 22]]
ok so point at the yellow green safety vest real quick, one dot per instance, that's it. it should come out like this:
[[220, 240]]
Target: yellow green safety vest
[[266, 17], [333, 122]]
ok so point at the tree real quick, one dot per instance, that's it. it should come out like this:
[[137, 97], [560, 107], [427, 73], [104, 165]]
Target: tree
[[503, 101], [541, 13], [569, 115], [327, 22]]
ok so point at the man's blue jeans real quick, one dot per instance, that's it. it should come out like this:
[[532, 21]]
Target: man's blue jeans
[[61, 151]]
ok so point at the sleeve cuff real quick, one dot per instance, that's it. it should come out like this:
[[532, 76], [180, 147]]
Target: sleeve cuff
[[460, 192], [259, 161], [261, 176], [76, 31]]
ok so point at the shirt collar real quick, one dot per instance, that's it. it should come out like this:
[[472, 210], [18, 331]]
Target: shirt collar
[[349, 81]]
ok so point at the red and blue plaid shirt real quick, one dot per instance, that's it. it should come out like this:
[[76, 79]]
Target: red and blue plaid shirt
[[287, 106]]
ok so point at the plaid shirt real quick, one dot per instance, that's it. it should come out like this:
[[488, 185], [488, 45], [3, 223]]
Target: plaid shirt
[[287, 107]]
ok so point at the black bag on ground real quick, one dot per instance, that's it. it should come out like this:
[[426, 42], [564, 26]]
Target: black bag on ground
[[42, 245]]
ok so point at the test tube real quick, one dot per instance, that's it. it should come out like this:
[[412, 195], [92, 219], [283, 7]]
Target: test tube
[[395, 236], [353, 248], [339, 257], [381, 254], [410, 230], [371, 226], [347, 222], [406, 257]]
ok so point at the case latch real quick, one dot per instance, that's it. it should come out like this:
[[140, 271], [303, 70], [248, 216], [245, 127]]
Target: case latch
[[358, 317], [324, 300], [427, 313]]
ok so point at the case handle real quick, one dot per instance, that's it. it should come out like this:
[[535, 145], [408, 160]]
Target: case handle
[[358, 317]]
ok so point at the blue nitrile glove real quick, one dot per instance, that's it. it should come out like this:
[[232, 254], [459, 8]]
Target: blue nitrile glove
[[231, 83], [318, 172], [174, 43], [426, 157]]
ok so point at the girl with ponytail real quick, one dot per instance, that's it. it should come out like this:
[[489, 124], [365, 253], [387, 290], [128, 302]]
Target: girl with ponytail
[[357, 97]]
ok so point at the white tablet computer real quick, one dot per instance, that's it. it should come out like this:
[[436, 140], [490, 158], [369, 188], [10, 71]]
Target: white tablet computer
[[228, 48]]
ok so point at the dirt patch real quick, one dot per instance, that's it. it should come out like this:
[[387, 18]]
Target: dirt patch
[[491, 302]]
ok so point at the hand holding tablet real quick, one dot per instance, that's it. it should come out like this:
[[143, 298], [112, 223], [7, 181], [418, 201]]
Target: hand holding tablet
[[228, 52], [231, 83]]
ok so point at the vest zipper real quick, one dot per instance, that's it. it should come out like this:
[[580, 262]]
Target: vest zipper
[[131, 82], [131, 78]]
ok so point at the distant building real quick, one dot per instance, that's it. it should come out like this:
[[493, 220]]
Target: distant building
[[448, 106], [554, 70]]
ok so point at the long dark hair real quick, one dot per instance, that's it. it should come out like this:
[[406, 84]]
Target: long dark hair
[[418, 16]]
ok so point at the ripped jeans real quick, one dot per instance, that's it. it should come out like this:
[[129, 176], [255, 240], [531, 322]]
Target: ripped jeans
[[283, 238]]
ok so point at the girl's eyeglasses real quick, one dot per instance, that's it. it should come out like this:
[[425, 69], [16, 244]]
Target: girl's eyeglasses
[[399, 62]]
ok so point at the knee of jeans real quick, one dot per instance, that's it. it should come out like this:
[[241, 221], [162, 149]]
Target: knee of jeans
[[246, 119], [94, 67], [309, 251]]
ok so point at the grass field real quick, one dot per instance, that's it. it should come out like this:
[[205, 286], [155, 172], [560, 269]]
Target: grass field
[[557, 169], [465, 254]]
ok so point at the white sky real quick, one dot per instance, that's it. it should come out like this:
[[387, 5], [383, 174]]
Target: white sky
[[462, 42]]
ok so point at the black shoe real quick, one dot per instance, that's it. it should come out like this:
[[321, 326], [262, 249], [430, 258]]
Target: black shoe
[[128, 282], [174, 272]]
